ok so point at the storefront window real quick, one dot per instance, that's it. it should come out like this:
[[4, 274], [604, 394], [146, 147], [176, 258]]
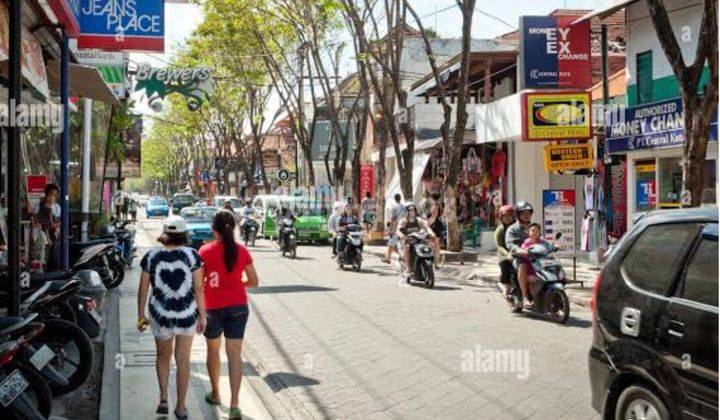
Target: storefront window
[[645, 188], [670, 178]]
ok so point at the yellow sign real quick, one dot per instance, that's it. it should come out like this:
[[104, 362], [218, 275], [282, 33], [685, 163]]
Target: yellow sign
[[556, 116], [568, 157]]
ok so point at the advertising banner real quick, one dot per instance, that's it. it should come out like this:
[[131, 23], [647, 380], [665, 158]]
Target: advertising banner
[[31, 62], [568, 157], [554, 54], [556, 116], [111, 66], [367, 180], [123, 25], [649, 126], [559, 216], [68, 13]]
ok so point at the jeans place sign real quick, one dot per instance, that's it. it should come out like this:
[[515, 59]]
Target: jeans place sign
[[195, 84]]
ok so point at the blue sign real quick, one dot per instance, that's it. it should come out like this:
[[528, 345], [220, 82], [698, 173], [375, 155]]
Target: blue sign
[[649, 126], [123, 25], [205, 176]]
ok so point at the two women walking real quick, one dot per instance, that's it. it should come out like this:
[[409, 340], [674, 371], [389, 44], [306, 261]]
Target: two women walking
[[195, 292]]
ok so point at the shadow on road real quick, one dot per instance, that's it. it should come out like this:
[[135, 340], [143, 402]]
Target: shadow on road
[[296, 288], [571, 322], [280, 380]]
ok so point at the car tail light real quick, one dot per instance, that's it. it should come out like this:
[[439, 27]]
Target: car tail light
[[595, 291]]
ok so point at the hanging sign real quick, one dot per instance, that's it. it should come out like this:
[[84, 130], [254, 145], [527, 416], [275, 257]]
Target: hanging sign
[[111, 66], [283, 175], [31, 62], [123, 25], [193, 83], [568, 157], [556, 116], [559, 216], [554, 53], [367, 180], [649, 126]]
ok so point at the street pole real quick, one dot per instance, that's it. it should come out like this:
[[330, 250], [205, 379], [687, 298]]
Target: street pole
[[64, 151], [596, 176], [13, 158], [87, 133]]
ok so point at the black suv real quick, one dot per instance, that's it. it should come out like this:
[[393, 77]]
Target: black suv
[[655, 320]]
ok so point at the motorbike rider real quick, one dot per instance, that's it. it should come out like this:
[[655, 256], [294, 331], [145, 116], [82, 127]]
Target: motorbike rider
[[411, 223], [338, 221], [247, 212], [506, 217], [515, 236], [284, 212]]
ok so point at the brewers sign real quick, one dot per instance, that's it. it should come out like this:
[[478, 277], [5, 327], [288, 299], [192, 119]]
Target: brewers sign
[[556, 116], [554, 53], [568, 157]]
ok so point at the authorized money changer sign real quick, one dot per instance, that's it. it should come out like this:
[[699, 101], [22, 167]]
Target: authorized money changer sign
[[649, 126], [193, 83], [559, 216], [568, 157], [123, 25], [556, 116], [554, 53]]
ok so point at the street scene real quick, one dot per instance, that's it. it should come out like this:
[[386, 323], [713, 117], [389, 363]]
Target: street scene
[[359, 209]]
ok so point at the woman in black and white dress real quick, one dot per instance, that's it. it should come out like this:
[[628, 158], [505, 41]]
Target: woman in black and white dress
[[176, 307]]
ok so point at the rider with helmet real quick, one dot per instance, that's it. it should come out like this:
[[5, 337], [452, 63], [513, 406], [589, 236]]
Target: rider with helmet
[[506, 217], [284, 212], [411, 223], [247, 212], [515, 235], [337, 223]]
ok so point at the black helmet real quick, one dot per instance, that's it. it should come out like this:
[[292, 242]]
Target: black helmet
[[522, 206]]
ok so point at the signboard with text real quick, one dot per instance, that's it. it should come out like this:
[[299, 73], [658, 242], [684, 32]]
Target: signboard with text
[[559, 216], [110, 64], [32, 63], [649, 126], [69, 15], [123, 25], [556, 116], [367, 180], [568, 157], [554, 53]]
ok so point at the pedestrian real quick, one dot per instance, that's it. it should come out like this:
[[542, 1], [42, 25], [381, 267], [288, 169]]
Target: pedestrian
[[126, 205], [396, 211], [226, 305], [133, 209], [48, 213], [368, 206], [176, 307]]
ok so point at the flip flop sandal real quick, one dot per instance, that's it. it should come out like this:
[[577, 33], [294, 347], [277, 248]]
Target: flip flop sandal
[[181, 416], [235, 414], [209, 399], [162, 408]]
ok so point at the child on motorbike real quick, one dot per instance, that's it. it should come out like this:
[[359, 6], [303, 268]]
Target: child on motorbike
[[534, 238]]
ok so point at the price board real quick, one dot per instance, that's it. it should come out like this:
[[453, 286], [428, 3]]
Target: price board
[[559, 216]]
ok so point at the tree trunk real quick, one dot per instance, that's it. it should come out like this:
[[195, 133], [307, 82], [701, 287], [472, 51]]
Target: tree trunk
[[697, 132], [454, 239]]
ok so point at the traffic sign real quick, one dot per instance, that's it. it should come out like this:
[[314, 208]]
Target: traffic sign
[[283, 175]]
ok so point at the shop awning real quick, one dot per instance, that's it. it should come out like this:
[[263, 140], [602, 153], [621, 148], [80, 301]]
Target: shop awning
[[606, 11], [420, 161], [85, 81]]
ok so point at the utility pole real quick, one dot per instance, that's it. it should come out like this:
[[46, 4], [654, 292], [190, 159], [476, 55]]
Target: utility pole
[[13, 166]]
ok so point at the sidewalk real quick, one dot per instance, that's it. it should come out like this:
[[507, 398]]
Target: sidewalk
[[132, 369], [482, 266]]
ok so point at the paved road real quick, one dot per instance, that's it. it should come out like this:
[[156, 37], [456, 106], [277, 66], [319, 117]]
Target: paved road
[[348, 345]]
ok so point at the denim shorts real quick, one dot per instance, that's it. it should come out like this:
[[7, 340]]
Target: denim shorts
[[230, 321]]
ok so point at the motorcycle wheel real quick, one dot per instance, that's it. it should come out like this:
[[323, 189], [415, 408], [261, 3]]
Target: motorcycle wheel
[[428, 274], [63, 310], [116, 274], [357, 264], [73, 353], [559, 305], [293, 249], [35, 401], [252, 239]]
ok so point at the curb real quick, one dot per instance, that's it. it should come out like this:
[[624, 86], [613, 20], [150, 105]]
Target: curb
[[262, 387], [110, 388]]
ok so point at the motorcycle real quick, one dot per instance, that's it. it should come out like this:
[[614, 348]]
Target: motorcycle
[[24, 393], [352, 252], [547, 285], [125, 235], [288, 243], [422, 257], [105, 259], [250, 229]]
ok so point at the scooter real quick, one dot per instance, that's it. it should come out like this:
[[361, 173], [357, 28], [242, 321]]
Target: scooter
[[422, 257], [106, 259], [547, 285], [288, 245], [352, 252], [250, 229], [125, 235]]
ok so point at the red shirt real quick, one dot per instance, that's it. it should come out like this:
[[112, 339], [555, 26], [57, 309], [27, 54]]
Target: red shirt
[[223, 288]]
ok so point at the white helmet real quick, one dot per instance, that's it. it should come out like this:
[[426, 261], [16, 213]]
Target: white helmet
[[406, 206]]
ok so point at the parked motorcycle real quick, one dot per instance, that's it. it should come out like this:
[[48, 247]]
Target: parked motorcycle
[[106, 259], [288, 243], [125, 240], [24, 393], [250, 229], [422, 257], [547, 285], [352, 251]]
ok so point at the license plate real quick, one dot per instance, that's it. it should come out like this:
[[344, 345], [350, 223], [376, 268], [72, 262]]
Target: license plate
[[11, 387], [42, 357], [96, 316]]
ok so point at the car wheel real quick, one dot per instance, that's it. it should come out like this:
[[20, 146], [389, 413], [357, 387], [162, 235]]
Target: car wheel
[[638, 402]]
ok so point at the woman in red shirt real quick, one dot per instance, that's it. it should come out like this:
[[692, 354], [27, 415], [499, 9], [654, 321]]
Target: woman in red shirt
[[226, 304]]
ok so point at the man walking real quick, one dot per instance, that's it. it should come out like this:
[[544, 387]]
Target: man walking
[[396, 212]]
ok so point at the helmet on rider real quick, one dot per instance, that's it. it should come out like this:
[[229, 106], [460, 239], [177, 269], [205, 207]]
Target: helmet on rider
[[408, 205], [506, 210], [523, 206]]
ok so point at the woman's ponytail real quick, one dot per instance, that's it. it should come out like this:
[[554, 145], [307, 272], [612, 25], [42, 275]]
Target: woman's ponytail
[[224, 224]]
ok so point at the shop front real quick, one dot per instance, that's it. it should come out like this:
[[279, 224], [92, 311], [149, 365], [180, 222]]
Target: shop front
[[651, 138]]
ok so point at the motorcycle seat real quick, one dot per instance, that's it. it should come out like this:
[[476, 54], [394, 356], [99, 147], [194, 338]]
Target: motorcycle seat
[[11, 324]]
